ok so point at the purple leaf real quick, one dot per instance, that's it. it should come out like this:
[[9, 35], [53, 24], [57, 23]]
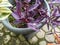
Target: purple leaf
[[14, 14], [56, 23], [27, 1], [32, 13], [34, 6], [17, 21], [18, 7], [55, 1], [39, 19], [32, 26], [48, 21], [23, 15]]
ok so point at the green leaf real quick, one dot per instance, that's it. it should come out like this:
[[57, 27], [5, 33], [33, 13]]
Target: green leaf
[[4, 13], [0, 1]]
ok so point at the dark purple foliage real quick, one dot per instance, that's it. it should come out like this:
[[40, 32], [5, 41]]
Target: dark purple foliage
[[33, 14], [29, 13], [53, 20]]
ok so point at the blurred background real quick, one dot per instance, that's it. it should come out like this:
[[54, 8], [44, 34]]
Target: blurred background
[[43, 37]]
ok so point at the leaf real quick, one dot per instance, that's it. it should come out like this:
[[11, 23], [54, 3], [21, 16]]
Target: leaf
[[4, 13], [14, 14], [33, 26], [34, 6], [0, 1], [5, 4], [27, 1]]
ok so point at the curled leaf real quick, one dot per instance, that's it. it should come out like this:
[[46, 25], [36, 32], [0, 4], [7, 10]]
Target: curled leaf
[[4, 13]]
